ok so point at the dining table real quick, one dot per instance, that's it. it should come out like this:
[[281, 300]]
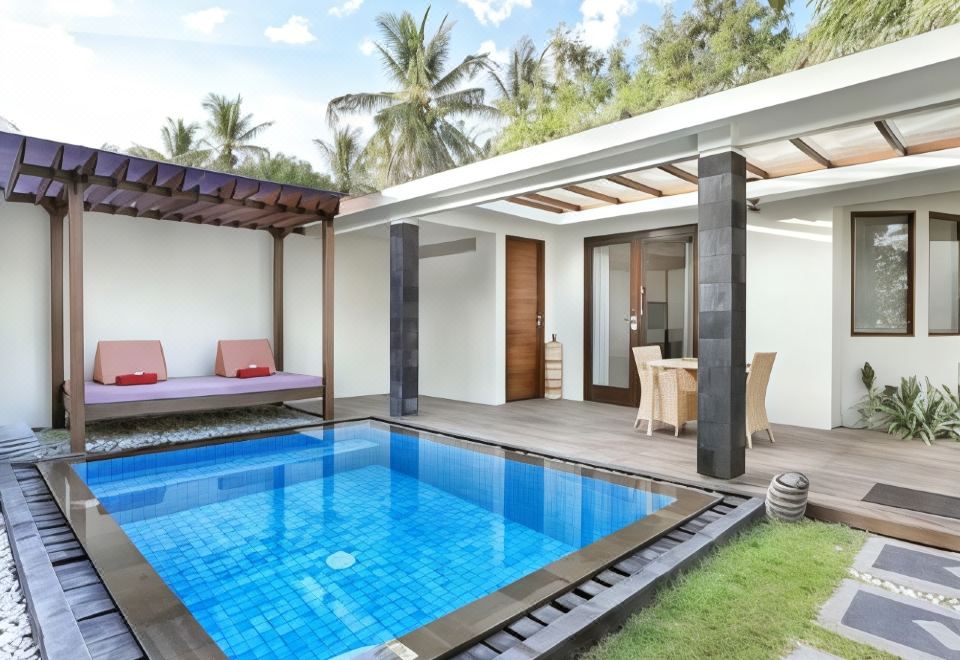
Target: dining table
[[689, 364]]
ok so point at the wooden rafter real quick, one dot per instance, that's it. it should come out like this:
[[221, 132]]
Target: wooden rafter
[[680, 174], [553, 201], [635, 185], [753, 169], [936, 145], [811, 153], [892, 136], [586, 192], [534, 205]]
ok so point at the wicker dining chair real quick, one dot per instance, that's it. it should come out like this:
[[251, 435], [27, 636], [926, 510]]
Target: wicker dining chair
[[757, 382], [676, 400]]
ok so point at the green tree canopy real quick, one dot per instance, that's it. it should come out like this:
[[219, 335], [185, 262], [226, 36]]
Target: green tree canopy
[[344, 157], [181, 144], [417, 129], [282, 168], [230, 133]]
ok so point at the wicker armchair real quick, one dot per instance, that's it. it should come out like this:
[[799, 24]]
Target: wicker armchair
[[757, 383], [676, 400]]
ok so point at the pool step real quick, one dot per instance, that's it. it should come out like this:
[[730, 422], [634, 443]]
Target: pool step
[[72, 615], [584, 614]]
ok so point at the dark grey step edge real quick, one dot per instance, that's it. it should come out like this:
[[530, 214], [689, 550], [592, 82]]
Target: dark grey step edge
[[55, 629], [588, 623]]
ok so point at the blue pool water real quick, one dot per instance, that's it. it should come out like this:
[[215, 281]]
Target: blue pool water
[[315, 544]]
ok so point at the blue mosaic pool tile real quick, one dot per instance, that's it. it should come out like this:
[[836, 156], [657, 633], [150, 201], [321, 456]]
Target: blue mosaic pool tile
[[242, 531]]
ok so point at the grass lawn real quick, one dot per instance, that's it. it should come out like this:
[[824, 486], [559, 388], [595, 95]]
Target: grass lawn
[[754, 598]]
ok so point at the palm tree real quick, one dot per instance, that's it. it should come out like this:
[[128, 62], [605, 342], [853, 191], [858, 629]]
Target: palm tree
[[180, 144], [230, 132], [524, 74], [344, 157], [416, 124]]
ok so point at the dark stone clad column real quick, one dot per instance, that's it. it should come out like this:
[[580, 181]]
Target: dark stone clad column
[[721, 381], [404, 317]]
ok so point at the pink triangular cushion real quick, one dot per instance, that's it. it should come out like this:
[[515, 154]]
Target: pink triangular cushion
[[234, 354], [127, 357]]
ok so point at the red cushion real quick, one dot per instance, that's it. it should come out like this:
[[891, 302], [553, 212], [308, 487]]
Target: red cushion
[[253, 372], [137, 379]]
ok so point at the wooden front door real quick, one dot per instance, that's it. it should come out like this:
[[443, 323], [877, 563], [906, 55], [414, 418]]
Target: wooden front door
[[524, 318]]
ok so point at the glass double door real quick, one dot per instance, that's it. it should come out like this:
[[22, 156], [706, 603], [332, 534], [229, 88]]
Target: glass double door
[[640, 290]]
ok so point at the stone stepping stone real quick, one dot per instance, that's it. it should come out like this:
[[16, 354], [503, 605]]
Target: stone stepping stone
[[914, 566], [901, 625]]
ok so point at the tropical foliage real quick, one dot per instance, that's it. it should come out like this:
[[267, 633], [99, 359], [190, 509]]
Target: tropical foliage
[[418, 123], [436, 115], [911, 410]]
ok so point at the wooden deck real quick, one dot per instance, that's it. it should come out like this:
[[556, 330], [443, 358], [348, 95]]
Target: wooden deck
[[842, 464]]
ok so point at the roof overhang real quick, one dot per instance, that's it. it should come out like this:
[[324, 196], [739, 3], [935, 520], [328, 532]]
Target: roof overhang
[[866, 89]]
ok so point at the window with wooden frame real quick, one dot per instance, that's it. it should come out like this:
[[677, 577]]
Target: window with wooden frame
[[882, 273], [944, 300]]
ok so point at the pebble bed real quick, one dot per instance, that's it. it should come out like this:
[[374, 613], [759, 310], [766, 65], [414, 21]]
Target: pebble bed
[[16, 637], [936, 599]]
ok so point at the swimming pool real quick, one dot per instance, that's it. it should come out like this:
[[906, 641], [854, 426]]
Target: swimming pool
[[325, 541]]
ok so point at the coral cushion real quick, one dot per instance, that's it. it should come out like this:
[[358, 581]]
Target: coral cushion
[[236, 354], [137, 379], [253, 372], [128, 357]]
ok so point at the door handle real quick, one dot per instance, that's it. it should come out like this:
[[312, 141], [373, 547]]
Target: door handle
[[643, 290]]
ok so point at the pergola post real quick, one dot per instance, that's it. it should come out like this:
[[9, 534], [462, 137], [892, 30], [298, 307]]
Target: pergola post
[[721, 380], [328, 289], [404, 317], [278, 236], [78, 419], [57, 411]]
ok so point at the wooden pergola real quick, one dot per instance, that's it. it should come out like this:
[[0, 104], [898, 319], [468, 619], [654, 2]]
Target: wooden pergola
[[68, 180]]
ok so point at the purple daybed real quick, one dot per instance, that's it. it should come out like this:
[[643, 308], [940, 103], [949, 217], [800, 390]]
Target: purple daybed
[[104, 399]]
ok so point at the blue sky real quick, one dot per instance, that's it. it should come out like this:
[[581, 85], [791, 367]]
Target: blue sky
[[110, 71]]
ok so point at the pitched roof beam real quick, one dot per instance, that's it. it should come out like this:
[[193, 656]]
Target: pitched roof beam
[[892, 136], [680, 174], [635, 185], [753, 169], [811, 153]]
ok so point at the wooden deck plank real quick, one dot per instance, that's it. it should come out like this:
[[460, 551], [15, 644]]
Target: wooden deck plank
[[842, 464]]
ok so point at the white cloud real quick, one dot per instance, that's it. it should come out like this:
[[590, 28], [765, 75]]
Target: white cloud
[[294, 31], [490, 48], [205, 21], [367, 46], [345, 8], [600, 26], [494, 11], [81, 8]]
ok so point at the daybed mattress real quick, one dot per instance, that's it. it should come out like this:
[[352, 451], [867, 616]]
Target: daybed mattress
[[185, 388]]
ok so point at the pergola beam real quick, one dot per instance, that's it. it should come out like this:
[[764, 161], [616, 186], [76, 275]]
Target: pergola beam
[[680, 174], [811, 153], [892, 136], [636, 185], [534, 205], [753, 169], [78, 415], [57, 411], [327, 322], [586, 192], [553, 201]]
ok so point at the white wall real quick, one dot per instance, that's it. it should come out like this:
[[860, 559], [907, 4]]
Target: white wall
[[458, 323], [362, 313], [24, 315], [184, 284]]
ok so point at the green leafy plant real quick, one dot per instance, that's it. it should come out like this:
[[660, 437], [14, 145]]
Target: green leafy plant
[[914, 411], [871, 416]]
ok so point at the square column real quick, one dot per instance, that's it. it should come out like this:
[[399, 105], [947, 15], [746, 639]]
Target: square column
[[404, 317], [721, 381]]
